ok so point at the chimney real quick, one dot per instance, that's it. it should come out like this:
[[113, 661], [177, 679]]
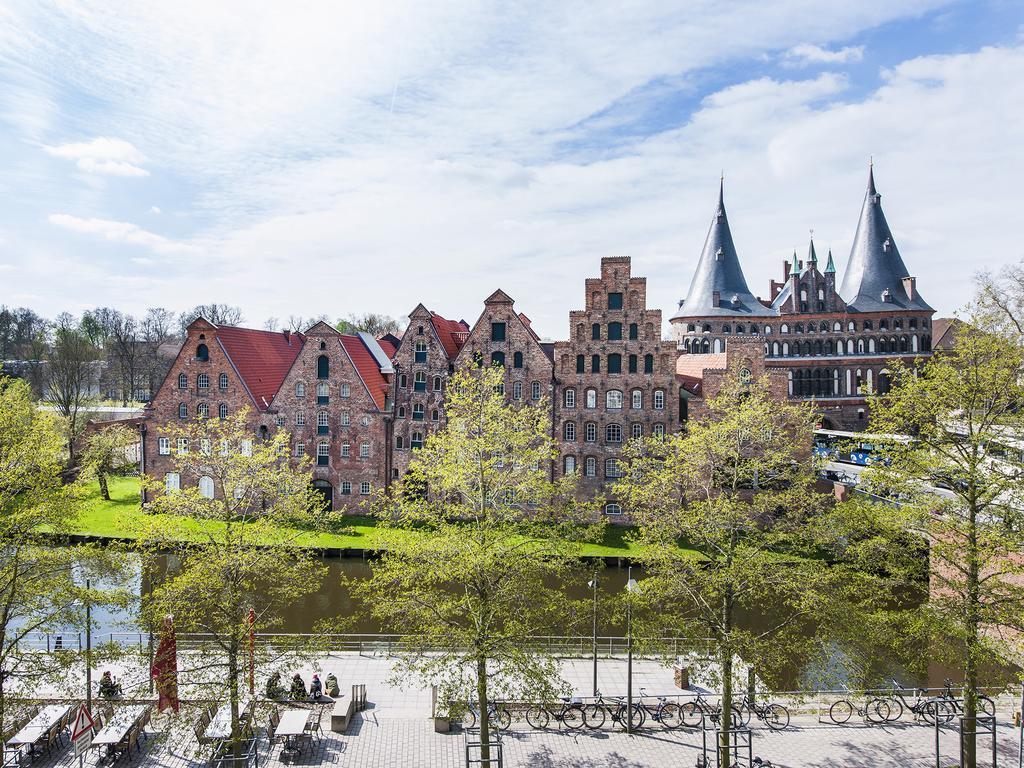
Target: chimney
[[785, 270], [288, 336], [910, 286]]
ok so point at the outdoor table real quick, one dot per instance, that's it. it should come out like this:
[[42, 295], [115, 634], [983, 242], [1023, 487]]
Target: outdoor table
[[293, 723], [219, 728], [39, 726], [116, 730]]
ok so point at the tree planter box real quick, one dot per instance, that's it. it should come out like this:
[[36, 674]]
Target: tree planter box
[[442, 725]]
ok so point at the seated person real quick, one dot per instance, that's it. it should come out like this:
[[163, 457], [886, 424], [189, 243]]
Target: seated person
[[109, 688], [298, 691], [274, 688], [316, 688], [332, 686]]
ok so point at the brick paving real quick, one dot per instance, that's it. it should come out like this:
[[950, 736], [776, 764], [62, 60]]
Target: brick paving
[[396, 731]]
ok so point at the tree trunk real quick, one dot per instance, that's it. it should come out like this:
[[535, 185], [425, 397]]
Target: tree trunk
[[236, 731], [970, 754], [104, 490], [481, 702], [725, 659]]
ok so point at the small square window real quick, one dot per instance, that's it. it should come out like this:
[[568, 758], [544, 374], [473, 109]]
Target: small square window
[[614, 301], [364, 489], [164, 446], [497, 331]]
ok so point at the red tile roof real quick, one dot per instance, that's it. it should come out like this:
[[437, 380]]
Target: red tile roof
[[262, 358], [695, 364], [453, 333], [526, 322], [389, 343], [367, 368]]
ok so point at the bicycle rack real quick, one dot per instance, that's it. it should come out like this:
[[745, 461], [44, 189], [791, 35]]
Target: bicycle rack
[[741, 754], [496, 759], [984, 726]]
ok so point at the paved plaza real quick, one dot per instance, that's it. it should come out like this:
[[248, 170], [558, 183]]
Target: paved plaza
[[396, 731]]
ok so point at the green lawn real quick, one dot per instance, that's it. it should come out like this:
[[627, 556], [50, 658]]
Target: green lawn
[[122, 517]]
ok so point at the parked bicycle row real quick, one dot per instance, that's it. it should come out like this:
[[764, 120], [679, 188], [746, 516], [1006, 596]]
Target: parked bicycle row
[[574, 714], [891, 706]]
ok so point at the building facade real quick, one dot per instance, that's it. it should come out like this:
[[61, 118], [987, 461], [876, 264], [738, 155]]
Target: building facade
[[834, 342]]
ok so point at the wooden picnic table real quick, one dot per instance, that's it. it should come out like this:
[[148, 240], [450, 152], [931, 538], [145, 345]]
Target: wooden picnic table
[[117, 728], [292, 724], [39, 726], [220, 726]]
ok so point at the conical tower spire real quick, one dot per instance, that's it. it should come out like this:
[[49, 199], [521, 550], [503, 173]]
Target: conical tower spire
[[830, 267], [718, 286], [874, 278], [812, 256]]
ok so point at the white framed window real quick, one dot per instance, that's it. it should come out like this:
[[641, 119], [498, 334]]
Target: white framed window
[[203, 410], [612, 469], [364, 488], [182, 445], [346, 390], [421, 352], [182, 381], [204, 446], [246, 447], [658, 430], [613, 400], [591, 398], [590, 467], [203, 381], [638, 430], [323, 389], [182, 411], [300, 419], [222, 410], [403, 381], [517, 390], [206, 487], [399, 443], [300, 450], [279, 420], [164, 446], [323, 450], [346, 419], [172, 482], [612, 509], [225, 447], [364, 451], [569, 431], [613, 433], [300, 389], [437, 383], [322, 419], [659, 399], [417, 440], [346, 450], [346, 488], [569, 398], [435, 415], [535, 390], [365, 421], [590, 432], [637, 399], [570, 464], [222, 382]]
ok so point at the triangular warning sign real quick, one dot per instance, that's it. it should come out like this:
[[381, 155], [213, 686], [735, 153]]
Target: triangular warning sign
[[83, 723]]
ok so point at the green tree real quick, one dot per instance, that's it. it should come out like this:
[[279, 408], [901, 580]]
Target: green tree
[[257, 503], [738, 486], [72, 373], [106, 453], [476, 553], [372, 323], [963, 409]]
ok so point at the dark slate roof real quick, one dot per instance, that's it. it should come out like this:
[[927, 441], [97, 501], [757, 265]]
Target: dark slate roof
[[875, 266], [719, 270]]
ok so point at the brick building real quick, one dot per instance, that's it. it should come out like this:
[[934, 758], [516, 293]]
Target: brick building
[[833, 342], [615, 378]]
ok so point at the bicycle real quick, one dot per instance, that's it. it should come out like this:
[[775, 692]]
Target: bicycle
[[985, 705], [875, 710], [927, 709], [665, 712], [500, 718], [692, 713], [775, 716], [598, 712], [571, 715]]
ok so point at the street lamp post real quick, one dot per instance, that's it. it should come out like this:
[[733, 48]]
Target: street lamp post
[[88, 645], [631, 585], [593, 586]]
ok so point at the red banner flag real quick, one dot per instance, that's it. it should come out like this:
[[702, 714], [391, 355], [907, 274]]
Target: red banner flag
[[252, 652], [165, 668]]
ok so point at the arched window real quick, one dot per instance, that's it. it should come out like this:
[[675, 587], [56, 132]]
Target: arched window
[[222, 411], [591, 398], [775, 349], [767, 330], [300, 389], [569, 431], [569, 398], [637, 399], [222, 382], [517, 390], [613, 433], [615, 363], [323, 367], [634, 332], [659, 399], [658, 430], [435, 415], [323, 392], [849, 346], [419, 381], [401, 411], [595, 331], [590, 432], [614, 331], [437, 383], [590, 467], [851, 326], [517, 359], [420, 352], [837, 326], [705, 347], [860, 346], [726, 328], [182, 411], [203, 381], [648, 363], [638, 430], [581, 364], [535, 390], [570, 464], [323, 453], [904, 344], [417, 411], [416, 441], [719, 345], [611, 469], [203, 410], [322, 421], [206, 487], [497, 358], [784, 328], [871, 345], [202, 353], [613, 400], [182, 381]]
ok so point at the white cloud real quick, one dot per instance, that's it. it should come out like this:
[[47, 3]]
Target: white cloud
[[154, 209], [119, 232], [806, 53], [115, 157]]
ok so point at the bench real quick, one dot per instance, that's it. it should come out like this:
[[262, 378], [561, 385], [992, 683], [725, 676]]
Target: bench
[[341, 714]]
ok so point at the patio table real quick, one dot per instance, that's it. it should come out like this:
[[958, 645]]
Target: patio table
[[39, 726], [220, 726], [293, 723], [117, 728]]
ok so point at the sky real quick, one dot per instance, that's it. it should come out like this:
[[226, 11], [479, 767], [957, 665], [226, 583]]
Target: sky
[[308, 158]]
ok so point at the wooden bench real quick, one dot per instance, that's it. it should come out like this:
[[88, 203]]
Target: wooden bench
[[341, 714]]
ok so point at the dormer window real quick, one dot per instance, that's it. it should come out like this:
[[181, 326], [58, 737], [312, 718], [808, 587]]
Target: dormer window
[[886, 245], [718, 255], [886, 296]]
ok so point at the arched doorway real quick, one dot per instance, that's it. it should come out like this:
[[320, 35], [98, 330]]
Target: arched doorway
[[327, 490]]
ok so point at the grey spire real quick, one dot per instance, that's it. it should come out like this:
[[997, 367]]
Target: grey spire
[[812, 257], [874, 279], [830, 267], [719, 272]]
